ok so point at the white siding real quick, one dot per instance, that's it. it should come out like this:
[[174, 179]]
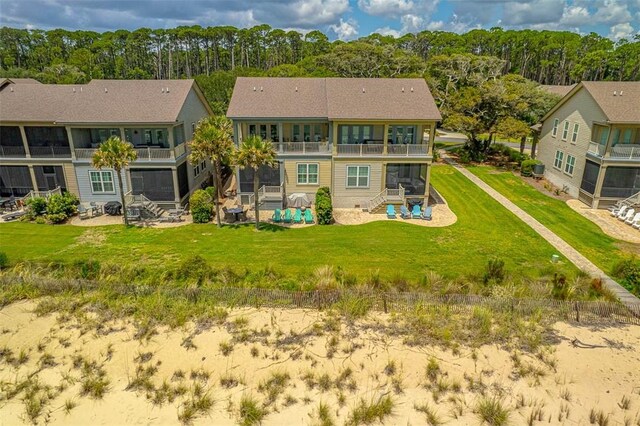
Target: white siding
[[581, 109], [344, 197], [84, 185]]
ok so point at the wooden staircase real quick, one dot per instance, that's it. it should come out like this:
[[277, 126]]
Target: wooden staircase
[[633, 201], [147, 208], [388, 196]]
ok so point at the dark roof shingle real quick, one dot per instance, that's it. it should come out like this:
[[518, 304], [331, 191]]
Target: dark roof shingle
[[333, 99], [619, 100]]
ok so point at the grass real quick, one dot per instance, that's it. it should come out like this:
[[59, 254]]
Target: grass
[[251, 413], [367, 413], [492, 412], [461, 249], [575, 229]]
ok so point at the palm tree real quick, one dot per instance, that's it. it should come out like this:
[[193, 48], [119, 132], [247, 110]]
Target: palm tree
[[115, 154], [254, 153], [213, 140]]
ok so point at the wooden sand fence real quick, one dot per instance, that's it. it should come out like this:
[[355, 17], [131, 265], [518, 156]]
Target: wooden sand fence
[[587, 312]]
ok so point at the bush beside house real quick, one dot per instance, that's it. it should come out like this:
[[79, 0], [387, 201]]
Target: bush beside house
[[56, 209], [201, 205], [324, 207]]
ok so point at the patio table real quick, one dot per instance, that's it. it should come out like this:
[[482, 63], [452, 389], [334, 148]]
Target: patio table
[[236, 211]]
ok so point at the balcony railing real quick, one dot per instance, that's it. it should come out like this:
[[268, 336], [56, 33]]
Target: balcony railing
[[597, 149], [364, 150], [12, 151], [144, 153], [50, 151], [618, 152], [303, 147]]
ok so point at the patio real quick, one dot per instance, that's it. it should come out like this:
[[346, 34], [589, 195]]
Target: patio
[[609, 225]]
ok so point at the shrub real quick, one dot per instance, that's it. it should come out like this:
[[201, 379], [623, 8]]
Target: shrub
[[4, 260], [61, 207], [37, 206], [201, 206], [526, 167], [324, 207], [628, 270], [494, 271]]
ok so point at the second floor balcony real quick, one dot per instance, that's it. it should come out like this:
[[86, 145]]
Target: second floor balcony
[[378, 148], [621, 152], [145, 153]]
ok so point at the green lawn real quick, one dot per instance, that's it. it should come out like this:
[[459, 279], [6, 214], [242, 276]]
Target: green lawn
[[484, 229], [575, 229]]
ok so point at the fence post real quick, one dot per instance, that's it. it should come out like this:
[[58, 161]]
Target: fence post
[[575, 304], [384, 303]]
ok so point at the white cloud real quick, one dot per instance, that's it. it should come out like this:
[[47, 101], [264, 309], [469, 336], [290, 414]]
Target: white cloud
[[388, 31], [619, 31], [345, 30], [533, 12], [575, 16], [386, 7], [613, 12], [313, 12], [411, 23]]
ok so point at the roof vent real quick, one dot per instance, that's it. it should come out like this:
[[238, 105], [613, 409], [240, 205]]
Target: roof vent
[[167, 90], [162, 90], [261, 88], [403, 90], [412, 90], [296, 88], [363, 90], [105, 90], [11, 88], [621, 93], [80, 89], [254, 88], [74, 90], [615, 93]]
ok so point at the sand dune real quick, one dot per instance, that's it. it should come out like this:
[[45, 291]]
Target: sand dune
[[290, 361]]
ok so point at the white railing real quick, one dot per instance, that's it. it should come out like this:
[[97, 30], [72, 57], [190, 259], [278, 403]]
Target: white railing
[[50, 151], [270, 191], [597, 149], [630, 201], [42, 194], [360, 150], [397, 194], [150, 154], [12, 151], [407, 150], [303, 147], [625, 151], [84, 153], [180, 150]]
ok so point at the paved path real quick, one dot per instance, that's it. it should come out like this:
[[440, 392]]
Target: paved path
[[569, 252]]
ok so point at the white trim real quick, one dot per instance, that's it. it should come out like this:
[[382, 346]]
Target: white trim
[[567, 165], [554, 130], [561, 160], [357, 186], [565, 130], [102, 173], [307, 174], [574, 135]]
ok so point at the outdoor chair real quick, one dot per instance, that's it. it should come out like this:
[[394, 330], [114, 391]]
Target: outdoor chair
[[621, 211], [97, 208], [635, 218], [391, 211], [308, 216], [134, 215], [297, 217], [83, 213], [404, 213], [428, 213], [627, 215], [636, 225], [287, 216], [416, 212], [277, 216]]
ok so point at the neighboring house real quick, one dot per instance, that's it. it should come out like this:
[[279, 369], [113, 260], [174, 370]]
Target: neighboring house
[[590, 142], [49, 133], [369, 140], [557, 89]]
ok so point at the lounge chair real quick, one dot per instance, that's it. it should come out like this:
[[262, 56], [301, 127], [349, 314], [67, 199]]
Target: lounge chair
[[391, 211], [636, 225], [297, 217], [287, 216], [83, 213], [619, 212], [635, 218], [308, 216], [627, 215], [277, 216], [428, 213], [404, 213], [416, 212]]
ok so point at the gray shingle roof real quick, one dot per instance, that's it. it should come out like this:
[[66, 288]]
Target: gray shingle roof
[[99, 101], [557, 89], [619, 100], [333, 99]]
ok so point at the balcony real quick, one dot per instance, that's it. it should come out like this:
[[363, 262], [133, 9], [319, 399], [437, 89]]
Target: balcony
[[287, 148], [50, 151], [144, 153], [378, 150], [617, 152], [12, 151]]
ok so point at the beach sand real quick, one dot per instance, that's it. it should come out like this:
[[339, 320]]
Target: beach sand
[[305, 345]]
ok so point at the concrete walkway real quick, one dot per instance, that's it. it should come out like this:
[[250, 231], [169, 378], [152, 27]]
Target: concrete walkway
[[567, 251]]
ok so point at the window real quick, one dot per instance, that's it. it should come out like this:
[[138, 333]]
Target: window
[[101, 182], [296, 133], [307, 173], [357, 176], [355, 134], [574, 136], [565, 130], [401, 134], [558, 161], [199, 168], [568, 167], [554, 132]]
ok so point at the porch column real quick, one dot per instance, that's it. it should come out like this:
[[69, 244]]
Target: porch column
[[432, 138], [607, 150], [385, 132], [170, 138], [426, 184], [71, 147], [280, 136], [34, 182], [176, 188], [122, 135], [23, 135], [598, 189], [334, 132]]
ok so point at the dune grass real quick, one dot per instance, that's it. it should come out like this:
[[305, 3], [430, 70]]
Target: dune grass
[[484, 230], [575, 229]]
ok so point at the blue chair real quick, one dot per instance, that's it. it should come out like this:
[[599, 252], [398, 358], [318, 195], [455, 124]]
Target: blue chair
[[416, 212], [297, 217], [428, 211], [287, 216], [277, 216], [391, 211], [404, 213]]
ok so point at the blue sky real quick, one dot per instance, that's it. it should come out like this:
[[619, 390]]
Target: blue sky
[[343, 19]]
